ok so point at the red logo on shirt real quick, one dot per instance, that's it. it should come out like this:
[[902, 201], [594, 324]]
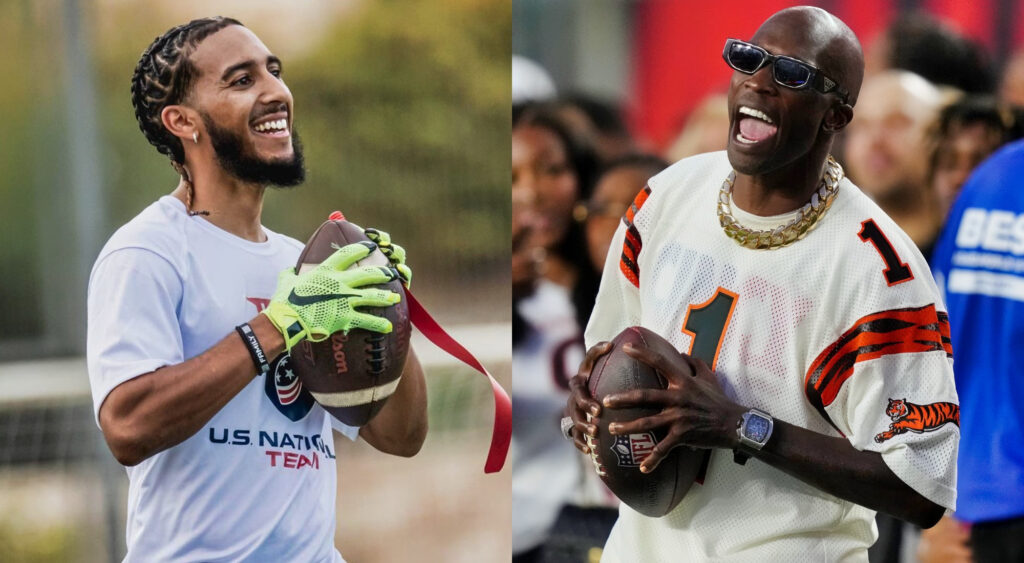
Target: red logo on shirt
[[259, 302], [292, 460]]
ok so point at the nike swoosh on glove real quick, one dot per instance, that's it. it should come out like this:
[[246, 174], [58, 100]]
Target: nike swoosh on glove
[[322, 301]]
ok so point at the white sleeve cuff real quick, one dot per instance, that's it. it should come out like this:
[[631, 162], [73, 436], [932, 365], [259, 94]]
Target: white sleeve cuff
[[898, 460], [350, 432], [114, 377]]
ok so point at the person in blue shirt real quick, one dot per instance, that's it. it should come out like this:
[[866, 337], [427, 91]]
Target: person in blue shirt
[[979, 264]]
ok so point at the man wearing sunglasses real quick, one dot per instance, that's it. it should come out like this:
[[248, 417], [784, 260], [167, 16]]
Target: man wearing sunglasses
[[823, 384]]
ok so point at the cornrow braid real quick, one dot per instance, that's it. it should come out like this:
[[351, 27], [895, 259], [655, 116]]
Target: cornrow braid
[[164, 76]]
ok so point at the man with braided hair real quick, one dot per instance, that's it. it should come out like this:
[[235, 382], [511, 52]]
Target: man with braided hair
[[228, 457]]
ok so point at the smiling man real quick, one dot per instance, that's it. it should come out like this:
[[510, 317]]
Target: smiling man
[[824, 385], [228, 457]]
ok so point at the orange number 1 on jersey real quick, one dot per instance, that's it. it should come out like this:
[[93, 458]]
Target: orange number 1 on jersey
[[706, 324]]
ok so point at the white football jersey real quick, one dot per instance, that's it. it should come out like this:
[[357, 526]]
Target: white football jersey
[[258, 481], [842, 332]]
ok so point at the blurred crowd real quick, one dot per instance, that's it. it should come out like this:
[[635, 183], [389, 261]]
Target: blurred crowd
[[575, 171], [932, 108]]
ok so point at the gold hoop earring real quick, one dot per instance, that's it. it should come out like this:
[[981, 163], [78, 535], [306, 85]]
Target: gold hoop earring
[[195, 137]]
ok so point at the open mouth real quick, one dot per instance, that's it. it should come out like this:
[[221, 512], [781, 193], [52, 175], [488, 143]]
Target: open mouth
[[273, 127], [754, 126]]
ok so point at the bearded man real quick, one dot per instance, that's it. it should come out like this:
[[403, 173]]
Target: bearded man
[[815, 332], [228, 458]]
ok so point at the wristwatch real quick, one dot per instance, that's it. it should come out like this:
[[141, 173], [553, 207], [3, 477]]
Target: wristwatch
[[754, 429]]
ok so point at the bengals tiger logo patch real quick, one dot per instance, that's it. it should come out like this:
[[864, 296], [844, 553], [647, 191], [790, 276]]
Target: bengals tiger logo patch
[[908, 417]]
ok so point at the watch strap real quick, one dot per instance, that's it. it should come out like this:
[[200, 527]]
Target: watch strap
[[739, 456]]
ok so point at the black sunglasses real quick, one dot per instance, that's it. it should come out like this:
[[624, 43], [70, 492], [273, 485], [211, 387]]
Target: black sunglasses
[[787, 71]]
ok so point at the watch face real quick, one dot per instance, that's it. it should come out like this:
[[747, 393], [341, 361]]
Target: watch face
[[756, 428]]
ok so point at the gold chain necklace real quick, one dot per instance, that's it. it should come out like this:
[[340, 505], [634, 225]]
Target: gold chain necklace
[[803, 223]]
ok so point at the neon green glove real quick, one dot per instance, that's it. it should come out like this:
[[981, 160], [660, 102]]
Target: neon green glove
[[322, 301], [395, 253]]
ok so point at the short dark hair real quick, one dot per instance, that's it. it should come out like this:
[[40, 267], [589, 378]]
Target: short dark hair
[[924, 45], [1004, 119], [638, 160], [165, 75], [606, 116]]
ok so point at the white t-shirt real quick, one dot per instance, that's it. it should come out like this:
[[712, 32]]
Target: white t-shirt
[[812, 333], [258, 481], [546, 474]]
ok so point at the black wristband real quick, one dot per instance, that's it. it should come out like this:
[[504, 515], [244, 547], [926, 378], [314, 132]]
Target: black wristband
[[253, 345]]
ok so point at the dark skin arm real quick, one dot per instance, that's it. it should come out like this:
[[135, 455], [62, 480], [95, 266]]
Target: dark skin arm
[[696, 412]]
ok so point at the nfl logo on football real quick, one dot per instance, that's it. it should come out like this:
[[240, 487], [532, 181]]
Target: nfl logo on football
[[633, 449]]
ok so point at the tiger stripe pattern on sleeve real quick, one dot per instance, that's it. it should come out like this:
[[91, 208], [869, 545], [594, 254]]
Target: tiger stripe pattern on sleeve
[[897, 331], [632, 244], [947, 342]]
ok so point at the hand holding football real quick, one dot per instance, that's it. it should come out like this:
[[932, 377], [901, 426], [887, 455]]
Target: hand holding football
[[352, 375], [618, 457]]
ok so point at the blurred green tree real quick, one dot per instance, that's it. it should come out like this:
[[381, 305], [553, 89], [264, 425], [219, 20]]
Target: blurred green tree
[[406, 106], [18, 267], [403, 107]]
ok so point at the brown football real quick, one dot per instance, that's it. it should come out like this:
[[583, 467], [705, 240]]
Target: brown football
[[617, 458], [352, 375]]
